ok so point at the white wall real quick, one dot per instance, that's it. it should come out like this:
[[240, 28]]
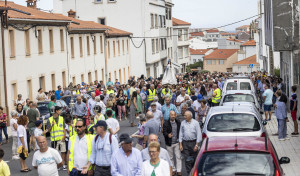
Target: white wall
[[244, 68], [196, 58], [200, 44]]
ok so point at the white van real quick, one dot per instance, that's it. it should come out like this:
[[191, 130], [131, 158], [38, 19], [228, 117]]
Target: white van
[[238, 83]]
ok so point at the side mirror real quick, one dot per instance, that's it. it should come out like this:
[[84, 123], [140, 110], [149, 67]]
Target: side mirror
[[264, 122], [261, 112], [284, 160]]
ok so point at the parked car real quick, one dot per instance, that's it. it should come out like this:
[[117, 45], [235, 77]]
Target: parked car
[[238, 83], [236, 120], [233, 96], [44, 111], [65, 108], [238, 156]]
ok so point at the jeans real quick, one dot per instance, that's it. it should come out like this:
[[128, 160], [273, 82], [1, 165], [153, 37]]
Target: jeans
[[282, 128], [174, 150], [5, 133], [121, 109]]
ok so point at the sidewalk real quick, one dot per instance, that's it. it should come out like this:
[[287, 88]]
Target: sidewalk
[[289, 148]]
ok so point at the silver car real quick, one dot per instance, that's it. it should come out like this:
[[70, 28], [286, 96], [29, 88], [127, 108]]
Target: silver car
[[241, 96], [236, 120]]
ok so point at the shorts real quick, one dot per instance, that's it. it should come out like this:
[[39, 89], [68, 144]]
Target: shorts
[[294, 115], [22, 156], [31, 131], [59, 146], [267, 108]]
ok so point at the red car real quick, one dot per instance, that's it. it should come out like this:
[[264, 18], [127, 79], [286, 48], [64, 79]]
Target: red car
[[232, 156]]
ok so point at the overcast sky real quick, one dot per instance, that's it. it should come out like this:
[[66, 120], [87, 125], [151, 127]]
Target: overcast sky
[[201, 13]]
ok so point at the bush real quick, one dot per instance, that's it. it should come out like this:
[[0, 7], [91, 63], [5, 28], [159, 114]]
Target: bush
[[277, 72], [194, 66]]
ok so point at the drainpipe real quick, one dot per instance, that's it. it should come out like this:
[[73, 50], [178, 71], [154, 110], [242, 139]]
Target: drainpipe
[[67, 50], [105, 56], [4, 65]]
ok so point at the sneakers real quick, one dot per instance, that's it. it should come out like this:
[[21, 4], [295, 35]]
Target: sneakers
[[287, 138], [64, 167], [15, 157], [282, 139]]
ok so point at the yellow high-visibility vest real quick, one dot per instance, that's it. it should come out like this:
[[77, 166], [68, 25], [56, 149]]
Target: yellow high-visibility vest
[[164, 92], [57, 131], [77, 92], [108, 92], [89, 141], [72, 131], [217, 98], [101, 117], [151, 95]]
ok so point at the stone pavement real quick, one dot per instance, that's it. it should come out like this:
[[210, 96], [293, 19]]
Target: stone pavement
[[289, 148]]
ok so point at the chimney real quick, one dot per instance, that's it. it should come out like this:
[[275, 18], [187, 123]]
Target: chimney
[[72, 14], [31, 4]]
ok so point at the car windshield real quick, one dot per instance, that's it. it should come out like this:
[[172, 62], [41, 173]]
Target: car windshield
[[239, 98], [245, 86], [231, 86], [43, 108], [229, 163], [233, 123]]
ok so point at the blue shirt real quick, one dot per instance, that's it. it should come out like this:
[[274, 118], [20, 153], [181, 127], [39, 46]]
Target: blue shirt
[[57, 94], [121, 165], [80, 109], [280, 110], [103, 150], [109, 83], [128, 94], [166, 110]]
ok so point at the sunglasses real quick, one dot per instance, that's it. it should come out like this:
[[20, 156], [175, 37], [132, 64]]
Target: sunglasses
[[78, 126]]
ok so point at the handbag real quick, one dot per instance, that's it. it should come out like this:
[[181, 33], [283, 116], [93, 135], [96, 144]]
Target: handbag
[[2, 125]]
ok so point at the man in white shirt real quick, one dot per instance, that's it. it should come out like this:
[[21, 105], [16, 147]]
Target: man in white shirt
[[112, 124], [182, 97], [47, 159], [196, 105], [158, 116], [91, 103]]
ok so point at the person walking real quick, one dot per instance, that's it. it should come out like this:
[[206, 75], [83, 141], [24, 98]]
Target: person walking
[[14, 135], [79, 151], [52, 104], [91, 103], [126, 160], [294, 108], [267, 100], [33, 115], [133, 108], [189, 140], [46, 160], [202, 112], [3, 125], [281, 115], [113, 125], [80, 109], [121, 104], [151, 93], [139, 102], [22, 142], [157, 114], [171, 129], [155, 166], [167, 108], [103, 146], [151, 127], [56, 127]]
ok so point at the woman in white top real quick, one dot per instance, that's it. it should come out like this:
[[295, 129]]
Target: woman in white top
[[14, 135], [41, 96], [155, 166]]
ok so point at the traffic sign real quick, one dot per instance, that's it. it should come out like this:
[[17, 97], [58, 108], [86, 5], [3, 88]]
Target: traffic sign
[[250, 65]]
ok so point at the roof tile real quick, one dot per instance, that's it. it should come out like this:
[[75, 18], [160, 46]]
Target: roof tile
[[198, 51], [212, 30], [247, 61], [249, 43], [178, 22], [221, 54], [197, 34]]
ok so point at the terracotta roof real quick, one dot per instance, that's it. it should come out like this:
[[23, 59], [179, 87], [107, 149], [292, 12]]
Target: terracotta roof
[[234, 40], [249, 43], [221, 54], [247, 61], [197, 34], [228, 33], [243, 27], [178, 22], [212, 30], [198, 51], [34, 14]]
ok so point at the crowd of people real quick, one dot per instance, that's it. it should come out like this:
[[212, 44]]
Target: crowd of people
[[170, 118]]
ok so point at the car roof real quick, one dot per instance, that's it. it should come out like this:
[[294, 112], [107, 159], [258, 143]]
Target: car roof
[[238, 91], [243, 144], [233, 108]]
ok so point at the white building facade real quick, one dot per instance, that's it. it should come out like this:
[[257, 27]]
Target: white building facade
[[150, 22]]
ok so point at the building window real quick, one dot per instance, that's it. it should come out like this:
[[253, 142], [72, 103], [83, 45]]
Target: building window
[[214, 62], [180, 35], [98, 1], [124, 74], [80, 47], [53, 81], [208, 62], [64, 79], [156, 21], [153, 46], [128, 71], [109, 76], [239, 68], [108, 49], [157, 45], [12, 43], [42, 82], [27, 42], [82, 77], [96, 75], [115, 72], [123, 47], [114, 48], [14, 91], [112, 0], [40, 41], [90, 77], [128, 46], [74, 80], [101, 44], [62, 43], [119, 47], [88, 45], [95, 44], [102, 70], [29, 89], [72, 47], [180, 53], [102, 21], [222, 62], [120, 76], [162, 44], [51, 41], [152, 20]]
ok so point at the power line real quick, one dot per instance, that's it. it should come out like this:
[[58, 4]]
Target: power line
[[206, 29]]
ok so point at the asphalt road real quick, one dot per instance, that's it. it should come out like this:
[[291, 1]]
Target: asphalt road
[[15, 164]]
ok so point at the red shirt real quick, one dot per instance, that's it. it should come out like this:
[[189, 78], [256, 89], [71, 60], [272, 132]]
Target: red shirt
[[97, 92]]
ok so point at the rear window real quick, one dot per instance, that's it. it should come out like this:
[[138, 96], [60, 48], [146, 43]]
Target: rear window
[[245, 86], [233, 123], [231, 86], [229, 163], [43, 108], [239, 98]]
